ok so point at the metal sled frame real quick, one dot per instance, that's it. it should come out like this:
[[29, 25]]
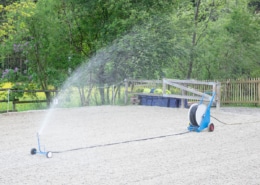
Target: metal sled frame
[[40, 151]]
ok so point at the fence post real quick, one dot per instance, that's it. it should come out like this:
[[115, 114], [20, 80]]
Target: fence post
[[183, 93], [258, 84], [164, 86], [14, 105], [8, 100], [126, 91], [218, 93]]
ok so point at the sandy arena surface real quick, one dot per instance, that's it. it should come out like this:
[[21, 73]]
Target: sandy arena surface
[[130, 145]]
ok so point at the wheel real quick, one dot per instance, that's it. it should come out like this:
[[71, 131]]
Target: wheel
[[33, 151], [211, 127], [49, 154]]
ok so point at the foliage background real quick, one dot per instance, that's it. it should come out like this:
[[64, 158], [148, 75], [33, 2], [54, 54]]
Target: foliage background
[[46, 42]]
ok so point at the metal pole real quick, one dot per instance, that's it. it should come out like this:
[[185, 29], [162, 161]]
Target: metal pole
[[126, 91], [113, 95], [218, 95], [8, 98]]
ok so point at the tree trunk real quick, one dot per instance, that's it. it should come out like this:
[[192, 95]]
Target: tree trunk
[[82, 95], [108, 93], [48, 97], [101, 80], [194, 38], [102, 95]]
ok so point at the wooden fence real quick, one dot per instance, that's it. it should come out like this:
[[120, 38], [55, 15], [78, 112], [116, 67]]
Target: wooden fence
[[232, 92], [7, 98], [243, 91], [191, 90]]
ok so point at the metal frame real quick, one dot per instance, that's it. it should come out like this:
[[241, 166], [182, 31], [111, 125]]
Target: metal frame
[[34, 151], [187, 92]]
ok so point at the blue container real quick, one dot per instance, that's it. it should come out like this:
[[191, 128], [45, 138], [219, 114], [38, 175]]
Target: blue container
[[185, 103], [163, 102], [149, 100], [142, 99], [173, 102], [160, 101], [156, 101]]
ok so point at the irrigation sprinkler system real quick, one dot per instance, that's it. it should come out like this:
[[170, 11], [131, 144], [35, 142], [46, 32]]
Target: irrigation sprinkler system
[[199, 116], [41, 151]]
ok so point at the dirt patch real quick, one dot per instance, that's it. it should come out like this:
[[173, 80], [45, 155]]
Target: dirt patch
[[133, 145]]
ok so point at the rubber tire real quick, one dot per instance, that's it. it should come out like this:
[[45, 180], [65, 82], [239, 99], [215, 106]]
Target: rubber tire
[[49, 154], [192, 115], [211, 127], [33, 151]]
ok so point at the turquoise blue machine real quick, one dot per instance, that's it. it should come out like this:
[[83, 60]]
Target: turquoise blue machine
[[199, 116]]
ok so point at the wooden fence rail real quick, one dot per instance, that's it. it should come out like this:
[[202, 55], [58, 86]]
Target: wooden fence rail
[[16, 101], [244, 91], [235, 92], [232, 92]]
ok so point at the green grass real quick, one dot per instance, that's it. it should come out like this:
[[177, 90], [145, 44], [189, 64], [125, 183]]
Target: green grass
[[68, 99]]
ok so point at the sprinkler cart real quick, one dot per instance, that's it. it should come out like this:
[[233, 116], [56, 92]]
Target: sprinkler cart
[[34, 151], [199, 116]]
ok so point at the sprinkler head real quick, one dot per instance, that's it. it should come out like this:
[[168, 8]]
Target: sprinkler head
[[34, 151]]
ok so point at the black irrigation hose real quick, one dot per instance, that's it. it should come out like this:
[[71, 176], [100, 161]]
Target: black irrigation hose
[[193, 116], [123, 142], [258, 121], [146, 139]]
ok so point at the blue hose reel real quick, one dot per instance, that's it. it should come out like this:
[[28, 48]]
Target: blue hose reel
[[199, 116]]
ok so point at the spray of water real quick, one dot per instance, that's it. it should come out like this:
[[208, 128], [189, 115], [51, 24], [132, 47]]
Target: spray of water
[[123, 59], [84, 75]]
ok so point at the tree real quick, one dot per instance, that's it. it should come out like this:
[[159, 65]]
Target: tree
[[231, 45], [111, 25], [212, 50], [36, 32], [129, 39], [12, 46]]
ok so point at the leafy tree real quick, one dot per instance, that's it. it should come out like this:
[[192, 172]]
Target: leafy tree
[[12, 47], [36, 33], [254, 5], [231, 47], [111, 25], [219, 37], [117, 39]]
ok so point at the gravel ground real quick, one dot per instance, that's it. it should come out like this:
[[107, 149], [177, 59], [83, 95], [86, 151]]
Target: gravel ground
[[129, 145]]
